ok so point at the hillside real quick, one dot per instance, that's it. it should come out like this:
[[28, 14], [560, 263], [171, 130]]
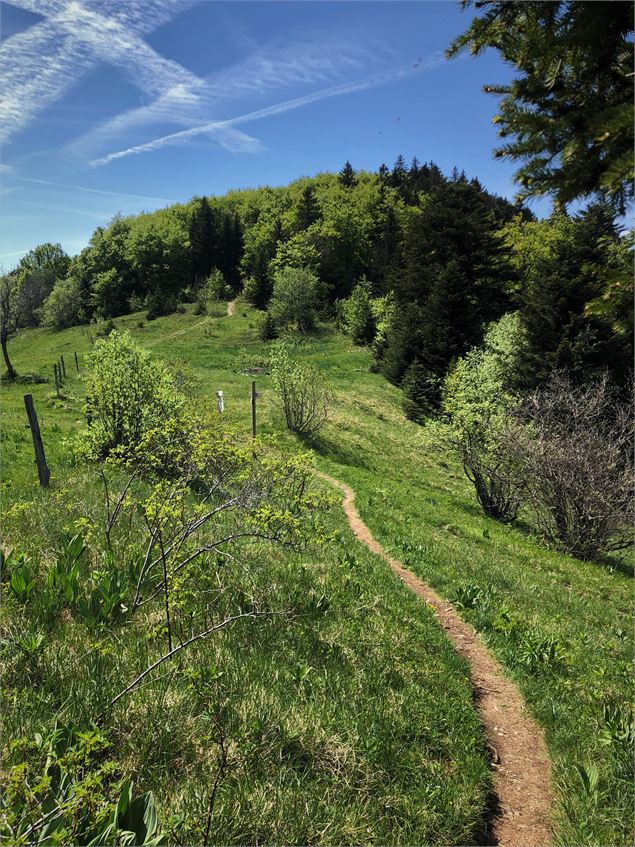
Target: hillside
[[352, 719]]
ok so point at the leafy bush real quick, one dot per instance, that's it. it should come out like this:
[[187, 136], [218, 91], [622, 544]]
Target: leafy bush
[[575, 452], [478, 398], [129, 396], [159, 303], [267, 330], [214, 288], [294, 300], [302, 390], [63, 307], [357, 313], [136, 303]]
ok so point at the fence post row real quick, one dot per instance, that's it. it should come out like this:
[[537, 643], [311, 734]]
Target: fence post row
[[43, 471]]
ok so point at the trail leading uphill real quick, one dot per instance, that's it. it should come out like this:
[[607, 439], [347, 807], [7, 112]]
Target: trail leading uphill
[[520, 762]]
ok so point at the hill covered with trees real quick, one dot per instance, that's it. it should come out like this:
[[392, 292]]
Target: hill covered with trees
[[410, 261]]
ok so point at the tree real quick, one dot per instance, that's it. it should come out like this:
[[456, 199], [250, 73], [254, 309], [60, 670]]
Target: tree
[[63, 307], [36, 275], [359, 319], [569, 111], [478, 396], [308, 208], [9, 317], [562, 264], [347, 178], [294, 299], [203, 239], [128, 396]]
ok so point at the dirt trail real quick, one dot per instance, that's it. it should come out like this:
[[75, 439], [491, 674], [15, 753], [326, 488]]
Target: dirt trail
[[520, 762], [177, 333]]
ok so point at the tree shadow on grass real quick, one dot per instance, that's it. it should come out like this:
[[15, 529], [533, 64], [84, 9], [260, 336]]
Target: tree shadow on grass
[[337, 452]]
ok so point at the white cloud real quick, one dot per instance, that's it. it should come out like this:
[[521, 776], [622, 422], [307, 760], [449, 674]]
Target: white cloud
[[39, 65], [268, 69], [217, 128]]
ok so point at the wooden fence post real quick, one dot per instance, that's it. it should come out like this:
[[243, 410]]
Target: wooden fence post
[[253, 409], [43, 471], [63, 366], [57, 378], [76, 362]]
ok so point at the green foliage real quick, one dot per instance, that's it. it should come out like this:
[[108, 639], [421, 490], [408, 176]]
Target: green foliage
[[357, 311], [564, 264], [302, 390], [63, 306], [212, 290], [63, 789], [294, 300], [129, 396], [569, 109], [478, 396]]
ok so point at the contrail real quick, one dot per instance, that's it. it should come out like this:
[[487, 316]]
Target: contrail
[[220, 127]]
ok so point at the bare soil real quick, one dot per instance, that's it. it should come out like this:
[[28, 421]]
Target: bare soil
[[521, 769]]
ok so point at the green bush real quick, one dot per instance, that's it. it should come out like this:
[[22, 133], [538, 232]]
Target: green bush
[[294, 300], [302, 390], [214, 288], [357, 313], [478, 398], [62, 308], [129, 396]]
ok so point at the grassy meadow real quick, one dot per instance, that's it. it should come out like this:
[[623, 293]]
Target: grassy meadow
[[347, 717]]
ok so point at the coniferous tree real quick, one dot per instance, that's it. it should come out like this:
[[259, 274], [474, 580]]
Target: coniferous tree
[[346, 177], [308, 208], [203, 240], [560, 334], [568, 112]]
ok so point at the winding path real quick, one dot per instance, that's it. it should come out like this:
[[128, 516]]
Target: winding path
[[520, 763]]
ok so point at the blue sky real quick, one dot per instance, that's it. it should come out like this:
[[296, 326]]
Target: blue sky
[[128, 105]]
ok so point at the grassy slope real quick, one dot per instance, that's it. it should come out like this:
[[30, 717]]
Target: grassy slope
[[560, 626], [354, 726]]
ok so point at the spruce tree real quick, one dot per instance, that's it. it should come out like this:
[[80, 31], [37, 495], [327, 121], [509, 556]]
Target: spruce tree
[[308, 208], [203, 240], [347, 178]]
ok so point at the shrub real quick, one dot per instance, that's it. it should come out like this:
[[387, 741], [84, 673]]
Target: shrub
[[577, 463], [159, 303], [267, 329], [136, 303], [213, 289], [62, 308], [478, 398], [302, 391], [294, 299], [128, 396], [357, 313]]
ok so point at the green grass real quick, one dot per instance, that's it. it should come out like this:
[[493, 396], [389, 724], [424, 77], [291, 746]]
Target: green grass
[[349, 722], [379, 742]]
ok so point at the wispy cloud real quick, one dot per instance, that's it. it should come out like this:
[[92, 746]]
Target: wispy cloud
[[217, 129], [40, 64], [5, 169], [268, 69], [91, 190]]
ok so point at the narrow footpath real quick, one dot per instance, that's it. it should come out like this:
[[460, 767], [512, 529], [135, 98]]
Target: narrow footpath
[[521, 769]]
